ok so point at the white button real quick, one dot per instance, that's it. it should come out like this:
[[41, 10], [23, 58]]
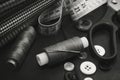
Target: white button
[[69, 66], [100, 50], [88, 78], [88, 68]]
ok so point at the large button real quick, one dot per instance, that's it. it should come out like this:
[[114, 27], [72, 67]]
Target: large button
[[100, 50], [88, 78], [88, 68], [68, 66]]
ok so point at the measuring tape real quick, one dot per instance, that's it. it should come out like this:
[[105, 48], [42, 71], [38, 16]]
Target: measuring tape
[[80, 8], [50, 20]]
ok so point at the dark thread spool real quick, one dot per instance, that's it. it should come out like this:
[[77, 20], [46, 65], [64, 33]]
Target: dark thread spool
[[53, 54], [20, 48], [10, 36]]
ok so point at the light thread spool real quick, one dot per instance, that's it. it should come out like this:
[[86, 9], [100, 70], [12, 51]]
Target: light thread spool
[[53, 54], [20, 48]]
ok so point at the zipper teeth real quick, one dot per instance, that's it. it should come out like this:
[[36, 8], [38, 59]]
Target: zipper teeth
[[23, 15], [10, 29]]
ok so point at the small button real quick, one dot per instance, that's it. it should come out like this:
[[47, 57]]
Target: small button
[[68, 66], [70, 76], [100, 50], [84, 24], [88, 78], [84, 55], [88, 68]]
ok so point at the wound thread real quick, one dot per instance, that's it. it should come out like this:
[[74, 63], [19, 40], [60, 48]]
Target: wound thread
[[20, 47], [57, 53], [10, 36]]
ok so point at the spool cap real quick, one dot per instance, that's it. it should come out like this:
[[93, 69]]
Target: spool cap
[[85, 42], [42, 58], [11, 65]]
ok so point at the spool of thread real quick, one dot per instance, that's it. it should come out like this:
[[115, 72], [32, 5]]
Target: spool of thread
[[20, 48], [55, 54], [11, 35]]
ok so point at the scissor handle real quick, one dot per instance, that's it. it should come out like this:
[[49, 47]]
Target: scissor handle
[[105, 24], [112, 32]]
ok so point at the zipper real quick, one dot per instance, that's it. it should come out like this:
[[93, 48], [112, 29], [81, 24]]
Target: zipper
[[12, 24]]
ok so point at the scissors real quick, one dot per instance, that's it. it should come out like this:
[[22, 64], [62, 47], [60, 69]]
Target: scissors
[[108, 25]]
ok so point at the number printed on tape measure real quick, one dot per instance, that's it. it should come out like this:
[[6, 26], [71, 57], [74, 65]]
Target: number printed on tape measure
[[79, 9]]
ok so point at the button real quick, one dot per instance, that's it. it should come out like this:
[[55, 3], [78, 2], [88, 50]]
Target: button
[[70, 76], [68, 66], [84, 24], [100, 50], [88, 78], [84, 55], [88, 68]]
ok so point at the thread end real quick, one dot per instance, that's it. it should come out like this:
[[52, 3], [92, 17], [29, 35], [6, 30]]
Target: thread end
[[85, 42], [42, 59], [11, 64]]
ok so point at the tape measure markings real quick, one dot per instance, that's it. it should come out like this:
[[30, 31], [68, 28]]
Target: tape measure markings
[[50, 20], [80, 8]]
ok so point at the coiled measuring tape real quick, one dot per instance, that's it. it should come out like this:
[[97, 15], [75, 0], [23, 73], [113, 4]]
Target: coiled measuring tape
[[80, 8], [50, 20]]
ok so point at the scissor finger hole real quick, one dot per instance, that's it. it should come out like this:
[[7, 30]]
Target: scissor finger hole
[[103, 35]]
